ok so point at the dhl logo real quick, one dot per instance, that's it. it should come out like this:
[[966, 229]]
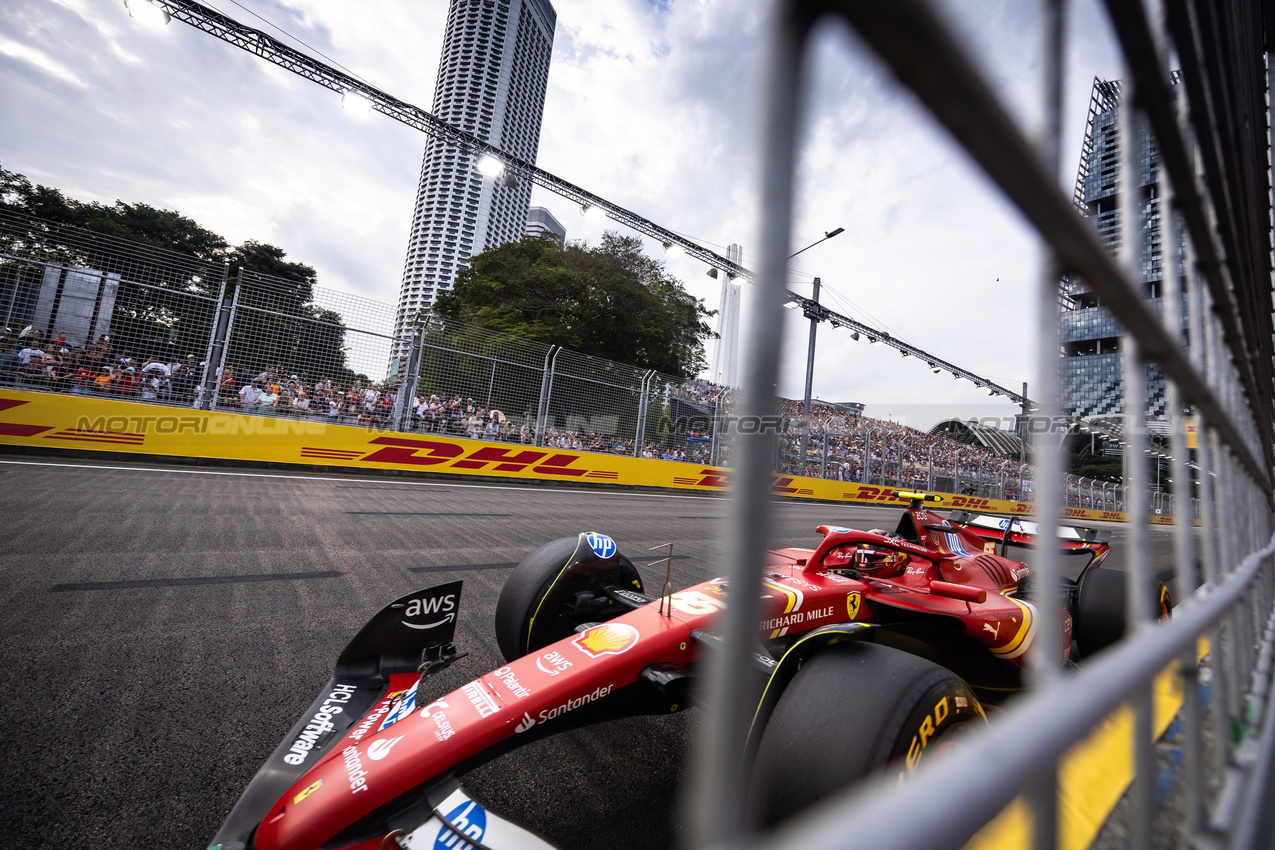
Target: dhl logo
[[867, 493], [487, 458], [1086, 513], [709, 477]]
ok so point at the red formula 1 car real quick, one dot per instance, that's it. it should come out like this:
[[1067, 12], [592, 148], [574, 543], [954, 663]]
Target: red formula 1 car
[[899, 636]]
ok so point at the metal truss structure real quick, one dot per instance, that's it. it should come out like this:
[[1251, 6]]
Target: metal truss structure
[[259, 44]]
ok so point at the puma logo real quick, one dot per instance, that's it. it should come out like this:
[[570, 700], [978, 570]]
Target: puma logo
[[987, 627]]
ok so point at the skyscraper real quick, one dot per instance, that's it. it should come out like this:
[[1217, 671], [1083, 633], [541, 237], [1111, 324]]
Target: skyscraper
[[1090, 378], [491, 83], [540, 221]]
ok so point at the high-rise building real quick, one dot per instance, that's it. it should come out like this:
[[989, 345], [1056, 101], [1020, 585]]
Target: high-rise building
[[491, 83], [540, 221], [1091, 380]]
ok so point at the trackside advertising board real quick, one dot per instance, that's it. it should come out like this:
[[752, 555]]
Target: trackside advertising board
[[49, 420]]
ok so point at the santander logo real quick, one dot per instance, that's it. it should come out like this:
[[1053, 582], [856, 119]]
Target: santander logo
[[527, 722], [380, 749]]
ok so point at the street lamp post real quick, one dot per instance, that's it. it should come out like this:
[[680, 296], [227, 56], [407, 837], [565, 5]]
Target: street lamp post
[[810, 377], [810, 354]]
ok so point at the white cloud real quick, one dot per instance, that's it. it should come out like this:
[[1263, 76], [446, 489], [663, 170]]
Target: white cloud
[[652, 105], [40, 60]]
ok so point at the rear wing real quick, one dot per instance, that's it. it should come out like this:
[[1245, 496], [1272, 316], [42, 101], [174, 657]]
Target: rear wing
[[1024, 532]]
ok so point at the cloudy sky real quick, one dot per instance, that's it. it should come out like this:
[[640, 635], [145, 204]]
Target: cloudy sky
[[652, 104]]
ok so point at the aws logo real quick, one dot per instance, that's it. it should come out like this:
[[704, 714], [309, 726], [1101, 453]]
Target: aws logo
[[437, 609]]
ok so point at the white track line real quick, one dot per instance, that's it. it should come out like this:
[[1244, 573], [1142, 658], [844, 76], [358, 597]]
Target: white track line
[[386, 480]]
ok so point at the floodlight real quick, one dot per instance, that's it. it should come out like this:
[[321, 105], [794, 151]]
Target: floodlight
[[490, 166], [356, 104], [854, 335], [712, 273], [146, 14], [873, 340], [935, 369], [673, 249], [593, 212], [792, 305]]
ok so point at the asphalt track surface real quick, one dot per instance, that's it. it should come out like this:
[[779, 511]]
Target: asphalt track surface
[[165, 626]]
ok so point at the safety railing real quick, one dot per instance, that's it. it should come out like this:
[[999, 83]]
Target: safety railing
[[1213, 186], [115, 318]]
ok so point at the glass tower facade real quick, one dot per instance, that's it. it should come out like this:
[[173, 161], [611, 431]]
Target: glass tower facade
[[1091, 378], [491, 83]]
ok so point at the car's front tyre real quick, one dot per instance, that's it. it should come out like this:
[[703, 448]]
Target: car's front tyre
[[556, 588], [854, 710]]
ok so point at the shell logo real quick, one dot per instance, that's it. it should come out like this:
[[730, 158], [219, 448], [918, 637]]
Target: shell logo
[[607, 639]]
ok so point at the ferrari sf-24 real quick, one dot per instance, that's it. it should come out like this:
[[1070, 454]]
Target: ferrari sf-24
[[903, 636]]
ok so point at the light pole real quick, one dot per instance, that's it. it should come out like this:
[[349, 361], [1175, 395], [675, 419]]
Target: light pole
[[810, 352]]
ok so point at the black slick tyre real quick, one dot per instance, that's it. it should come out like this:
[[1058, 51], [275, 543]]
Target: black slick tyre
[[556, 588], [853, 710], [1101, 597]]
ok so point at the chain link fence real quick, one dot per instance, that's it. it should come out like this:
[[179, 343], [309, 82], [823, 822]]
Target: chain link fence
[[92, 314]]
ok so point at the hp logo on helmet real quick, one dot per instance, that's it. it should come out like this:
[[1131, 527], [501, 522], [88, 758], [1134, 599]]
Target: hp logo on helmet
[[602, 546]]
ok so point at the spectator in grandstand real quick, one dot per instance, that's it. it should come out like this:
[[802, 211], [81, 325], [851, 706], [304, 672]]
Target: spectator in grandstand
[[268, 400], [153, 365], [249, 395], [127, 382], [226, 385], [184, 378], [84, 379], [31, 350]]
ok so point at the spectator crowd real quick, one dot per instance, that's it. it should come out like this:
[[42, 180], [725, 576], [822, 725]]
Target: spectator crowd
[[839, 445]]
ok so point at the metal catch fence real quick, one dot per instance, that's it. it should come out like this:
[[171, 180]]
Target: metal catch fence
[[1213, 186], [116, 318]]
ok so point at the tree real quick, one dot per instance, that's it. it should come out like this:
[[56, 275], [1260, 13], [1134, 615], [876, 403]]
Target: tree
[[278, 323], [611, 301], [138, 222]]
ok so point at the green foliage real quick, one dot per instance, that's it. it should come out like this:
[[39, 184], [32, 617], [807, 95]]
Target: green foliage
[[140, 222], [611, 301], [1104, 469], [296, 335]]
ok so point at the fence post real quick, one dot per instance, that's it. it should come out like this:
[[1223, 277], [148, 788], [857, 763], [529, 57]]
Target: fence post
[[213, 354], [546, 389], [639, 432], [823, 467], [407, 386], [714, 453]]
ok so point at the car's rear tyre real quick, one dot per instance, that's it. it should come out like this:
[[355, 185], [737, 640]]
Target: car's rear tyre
[[1101, 596], [556, 588], [855, 709]]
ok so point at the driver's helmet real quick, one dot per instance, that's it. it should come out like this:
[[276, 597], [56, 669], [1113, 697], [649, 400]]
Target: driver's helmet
[[879, 561]]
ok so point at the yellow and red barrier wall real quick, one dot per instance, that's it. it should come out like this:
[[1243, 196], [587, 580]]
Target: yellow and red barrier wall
[[93, 423]]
